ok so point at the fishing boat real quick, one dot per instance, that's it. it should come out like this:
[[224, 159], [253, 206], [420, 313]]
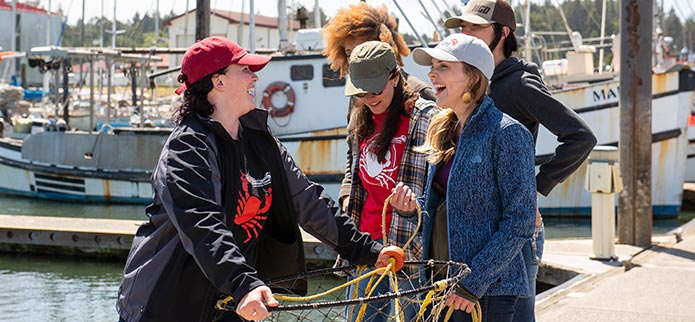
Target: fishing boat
[[598, 105], [308, 112], [111, 165]]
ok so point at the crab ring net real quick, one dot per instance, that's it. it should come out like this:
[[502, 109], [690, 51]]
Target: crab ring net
[[416, 292]]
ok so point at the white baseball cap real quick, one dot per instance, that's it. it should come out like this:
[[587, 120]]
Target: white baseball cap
[[459, 48]]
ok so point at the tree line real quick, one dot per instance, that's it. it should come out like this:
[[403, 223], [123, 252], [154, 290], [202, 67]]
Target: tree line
[[583, 16]]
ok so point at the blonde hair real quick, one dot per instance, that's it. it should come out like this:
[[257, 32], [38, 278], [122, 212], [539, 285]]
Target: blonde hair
[[442, 135], [361, 21]]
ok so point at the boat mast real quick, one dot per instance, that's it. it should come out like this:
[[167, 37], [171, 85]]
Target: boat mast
[[252, 27], [240, 30], [317, 14], [48, 24], [527, 31], [202, 19], [156, 24], [282, 24], [603, 34], [419, 37], [185, 28], [429, 17], [13, 43]]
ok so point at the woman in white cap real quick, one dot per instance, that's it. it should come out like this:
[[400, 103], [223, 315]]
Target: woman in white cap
[[518, 90], [388, 121], [228, 200], [481, 189]]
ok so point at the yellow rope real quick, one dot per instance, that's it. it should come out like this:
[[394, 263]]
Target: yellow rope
[[476, 313], [382, 273], [222, 303], [383, 222]]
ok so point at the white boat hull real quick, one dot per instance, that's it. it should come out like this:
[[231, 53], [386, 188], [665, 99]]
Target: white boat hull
[[597, 104], [80, 166], [319, 109]]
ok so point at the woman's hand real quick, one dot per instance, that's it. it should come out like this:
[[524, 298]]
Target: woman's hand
[[403, 199], [460, 303], [252, 306]]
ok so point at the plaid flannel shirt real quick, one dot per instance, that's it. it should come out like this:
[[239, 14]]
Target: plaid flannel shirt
[[412, 171]]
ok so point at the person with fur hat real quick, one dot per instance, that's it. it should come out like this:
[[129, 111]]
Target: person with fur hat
[[363, 22], [389, 119], [518, 90], [228, 204], [480, 195]]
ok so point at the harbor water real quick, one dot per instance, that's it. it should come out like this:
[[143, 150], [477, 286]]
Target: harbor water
[[44, 288]]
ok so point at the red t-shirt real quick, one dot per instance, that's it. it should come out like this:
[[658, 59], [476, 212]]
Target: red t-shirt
[[379, 179]]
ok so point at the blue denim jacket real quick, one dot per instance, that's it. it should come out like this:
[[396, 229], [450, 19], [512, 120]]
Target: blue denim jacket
[[491, 202]]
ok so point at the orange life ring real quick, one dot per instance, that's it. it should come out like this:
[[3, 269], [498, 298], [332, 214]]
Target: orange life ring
[[278, 111]]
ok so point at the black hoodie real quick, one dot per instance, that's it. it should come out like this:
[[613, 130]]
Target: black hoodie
[[518, 90]]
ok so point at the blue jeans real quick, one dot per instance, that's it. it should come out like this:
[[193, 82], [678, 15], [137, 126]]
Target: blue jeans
[[532, 252], [494, 309], [381, 311]]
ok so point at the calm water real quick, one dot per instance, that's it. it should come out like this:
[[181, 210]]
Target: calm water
[[65, 289]]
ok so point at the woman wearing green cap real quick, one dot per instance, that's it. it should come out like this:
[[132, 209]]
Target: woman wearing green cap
[[387, 122], [481, 192], [227, 204]]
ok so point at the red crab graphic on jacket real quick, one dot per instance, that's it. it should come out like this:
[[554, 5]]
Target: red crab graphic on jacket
[[251, 210]]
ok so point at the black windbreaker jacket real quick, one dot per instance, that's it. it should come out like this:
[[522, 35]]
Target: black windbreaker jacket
[[518, 91], [185, 257]]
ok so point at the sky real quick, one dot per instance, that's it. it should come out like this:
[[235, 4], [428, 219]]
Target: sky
[[125, 9]]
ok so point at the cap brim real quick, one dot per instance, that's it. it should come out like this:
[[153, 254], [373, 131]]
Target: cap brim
[[255, 62], [423, 56], [455, 22], [366, 85]]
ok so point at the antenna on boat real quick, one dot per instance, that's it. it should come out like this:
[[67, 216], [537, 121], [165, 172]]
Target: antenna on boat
[[419, 37], [429, 17]]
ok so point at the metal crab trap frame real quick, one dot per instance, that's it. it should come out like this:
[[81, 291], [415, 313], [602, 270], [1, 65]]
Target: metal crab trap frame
[[418, 292]]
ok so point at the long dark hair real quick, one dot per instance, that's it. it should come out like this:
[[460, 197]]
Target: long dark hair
[[363, 126], [195, 97], [510, 44]]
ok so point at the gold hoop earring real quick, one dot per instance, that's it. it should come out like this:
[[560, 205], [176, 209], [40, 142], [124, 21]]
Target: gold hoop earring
[[466, 98]]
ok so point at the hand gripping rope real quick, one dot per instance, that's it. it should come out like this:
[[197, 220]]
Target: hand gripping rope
[[433, 295]]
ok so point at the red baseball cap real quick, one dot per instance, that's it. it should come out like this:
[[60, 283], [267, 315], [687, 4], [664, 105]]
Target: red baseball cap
[[212, 54]]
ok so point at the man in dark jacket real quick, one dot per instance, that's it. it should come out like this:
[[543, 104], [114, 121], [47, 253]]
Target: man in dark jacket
[[518, 90]]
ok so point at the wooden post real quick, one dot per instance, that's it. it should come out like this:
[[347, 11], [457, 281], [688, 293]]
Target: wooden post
[[202, 19], [635, 201]]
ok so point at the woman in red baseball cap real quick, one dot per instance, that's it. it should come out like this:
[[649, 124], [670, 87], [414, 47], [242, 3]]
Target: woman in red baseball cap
[[228, 200]]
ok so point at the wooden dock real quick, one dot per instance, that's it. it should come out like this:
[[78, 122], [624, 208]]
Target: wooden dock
[[564, 261], [98, 238]]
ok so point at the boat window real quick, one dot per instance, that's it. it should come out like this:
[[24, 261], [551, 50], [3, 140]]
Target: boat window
[[302, 72], [332, 78]]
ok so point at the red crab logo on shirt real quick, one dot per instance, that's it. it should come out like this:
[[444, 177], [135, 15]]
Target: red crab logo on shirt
[[251, 209]]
